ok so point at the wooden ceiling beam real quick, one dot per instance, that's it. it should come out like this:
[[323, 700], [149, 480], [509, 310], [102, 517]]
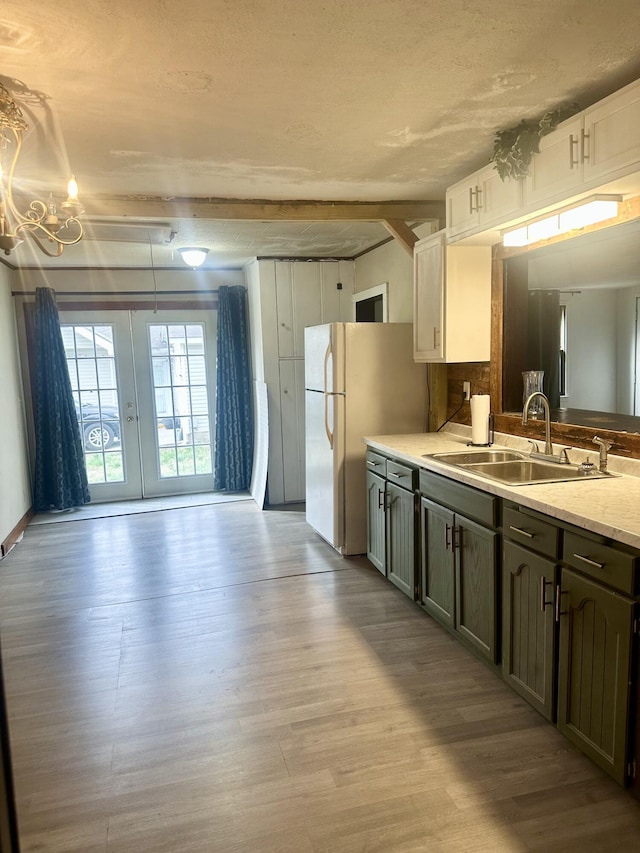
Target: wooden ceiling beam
[[402, 233], [263, 210]]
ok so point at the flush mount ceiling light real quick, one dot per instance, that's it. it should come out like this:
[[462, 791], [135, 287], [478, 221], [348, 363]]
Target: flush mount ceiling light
[[590, 210], [193, 256], [40, 220]]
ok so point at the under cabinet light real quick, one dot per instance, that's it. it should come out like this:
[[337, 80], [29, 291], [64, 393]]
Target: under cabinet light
[[586, 212]]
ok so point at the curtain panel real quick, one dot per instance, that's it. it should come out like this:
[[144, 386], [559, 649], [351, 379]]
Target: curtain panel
[[234, 410], [60, 472]]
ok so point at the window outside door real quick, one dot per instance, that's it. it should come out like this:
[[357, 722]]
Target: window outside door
[[143, 384]]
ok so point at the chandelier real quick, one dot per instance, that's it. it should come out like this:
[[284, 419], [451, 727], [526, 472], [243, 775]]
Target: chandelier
[[40, 220]]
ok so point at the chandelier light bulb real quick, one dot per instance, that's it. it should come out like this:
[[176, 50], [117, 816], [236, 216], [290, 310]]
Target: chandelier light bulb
[[72, 189]]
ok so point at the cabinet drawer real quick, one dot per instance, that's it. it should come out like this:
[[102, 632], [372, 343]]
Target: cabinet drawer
[[530, 531], [466, 500], [610, 566], [402, 475], [376, 463]]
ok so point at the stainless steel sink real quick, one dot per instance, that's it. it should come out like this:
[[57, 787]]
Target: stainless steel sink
[[516, 469], [470, 457]]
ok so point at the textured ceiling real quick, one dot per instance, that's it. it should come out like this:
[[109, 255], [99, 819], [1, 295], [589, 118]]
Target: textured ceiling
[[291, 99]]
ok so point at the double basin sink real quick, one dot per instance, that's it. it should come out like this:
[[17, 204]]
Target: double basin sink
[[516, 469]]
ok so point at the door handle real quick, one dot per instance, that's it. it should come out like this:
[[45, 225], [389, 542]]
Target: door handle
[[573, 162], [447, 541], [583, 136], [559, 611], [544, 583], [326, 420], [381, 499]]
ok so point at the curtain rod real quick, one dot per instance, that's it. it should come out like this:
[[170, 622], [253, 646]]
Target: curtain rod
[[151, 295]]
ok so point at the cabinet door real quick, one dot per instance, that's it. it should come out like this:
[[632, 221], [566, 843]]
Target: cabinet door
[[594, 670], [612, 129], [556, 171], [376, 540], [428, 304], [437, 574], [499, 200], [292, 418], [298, 299], [463, 209], [401, 531], [528, 626], [476, 567]]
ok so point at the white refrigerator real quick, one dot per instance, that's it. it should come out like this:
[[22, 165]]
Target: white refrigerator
[[360, 379]]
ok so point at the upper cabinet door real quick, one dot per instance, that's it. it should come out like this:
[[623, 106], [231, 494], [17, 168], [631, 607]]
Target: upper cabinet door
[[612, 135], [428, 298], [463, 211], [499, 200], [299, 304], [556, 171]]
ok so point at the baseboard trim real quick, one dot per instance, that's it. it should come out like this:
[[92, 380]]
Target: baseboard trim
[[16, 533]]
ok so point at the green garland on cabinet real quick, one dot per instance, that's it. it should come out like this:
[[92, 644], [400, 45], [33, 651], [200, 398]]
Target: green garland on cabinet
[[514, 148]]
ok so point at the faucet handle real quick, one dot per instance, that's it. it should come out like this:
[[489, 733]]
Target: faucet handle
[[603, 442], [564, 455], [534, 446]]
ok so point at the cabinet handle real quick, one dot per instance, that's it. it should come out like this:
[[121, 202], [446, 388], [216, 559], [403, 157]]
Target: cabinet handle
[[471, 191], [436, 332], [544, 583], [559, 611], [478, 200], [573, 141], [584, 135], [395, 474], [523, 532], [589, 562], [372, 464], [456, 542], [381, 499], [447, 541]]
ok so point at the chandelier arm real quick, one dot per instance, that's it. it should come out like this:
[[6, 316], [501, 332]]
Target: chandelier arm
[[31, 227], [41, 245]]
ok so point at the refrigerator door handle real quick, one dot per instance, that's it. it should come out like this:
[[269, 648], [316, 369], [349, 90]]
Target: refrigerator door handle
[[326, 420], [327, 356]]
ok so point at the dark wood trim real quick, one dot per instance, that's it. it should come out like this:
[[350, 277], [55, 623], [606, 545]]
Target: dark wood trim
[[16, 533], [132, 305]]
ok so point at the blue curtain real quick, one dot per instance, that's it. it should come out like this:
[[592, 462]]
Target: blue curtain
[[60, 473], [234, 411]]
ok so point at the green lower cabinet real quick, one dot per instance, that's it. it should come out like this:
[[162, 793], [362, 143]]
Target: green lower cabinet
[[401, 535], [458, 568], [528, 626], [437, 565], [476, 550], [376, 526], [594, 670]]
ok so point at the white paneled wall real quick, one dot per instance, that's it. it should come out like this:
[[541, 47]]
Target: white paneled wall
[[284, 298]]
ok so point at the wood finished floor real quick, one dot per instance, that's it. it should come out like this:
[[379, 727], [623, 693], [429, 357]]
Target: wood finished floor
[[218, 680]]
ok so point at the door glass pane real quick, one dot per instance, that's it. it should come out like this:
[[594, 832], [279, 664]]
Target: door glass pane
[[92, 370], [181, 399]]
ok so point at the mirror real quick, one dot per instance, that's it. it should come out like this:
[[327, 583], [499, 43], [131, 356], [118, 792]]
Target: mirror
[[594, 283]]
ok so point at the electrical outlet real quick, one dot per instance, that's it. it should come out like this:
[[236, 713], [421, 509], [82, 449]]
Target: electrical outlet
[[466, 390]]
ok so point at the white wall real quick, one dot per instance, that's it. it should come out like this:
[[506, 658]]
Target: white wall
[[393, 264], [591, 351], [626, 355], [15, 488]]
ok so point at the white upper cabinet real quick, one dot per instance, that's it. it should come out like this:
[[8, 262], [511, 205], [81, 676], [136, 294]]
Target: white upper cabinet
[[452, 301], [612, 131], [480, 201], [556, 171], [596, 151]]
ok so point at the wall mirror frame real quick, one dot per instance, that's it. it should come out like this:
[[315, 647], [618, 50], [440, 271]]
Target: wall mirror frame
[[507, 325]]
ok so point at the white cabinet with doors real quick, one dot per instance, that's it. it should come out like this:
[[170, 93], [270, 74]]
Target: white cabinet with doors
[[589, 151], [595, 151], [452, 301], [480, 201], [292, 295]]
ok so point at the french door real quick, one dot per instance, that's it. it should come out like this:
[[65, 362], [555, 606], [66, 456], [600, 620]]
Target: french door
[[144, 388]]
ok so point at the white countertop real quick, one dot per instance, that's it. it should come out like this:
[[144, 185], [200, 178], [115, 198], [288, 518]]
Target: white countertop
[[610, 507]]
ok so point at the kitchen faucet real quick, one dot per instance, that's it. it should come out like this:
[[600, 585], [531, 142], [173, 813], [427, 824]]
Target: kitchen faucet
[[604, 447], [548, 449]]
